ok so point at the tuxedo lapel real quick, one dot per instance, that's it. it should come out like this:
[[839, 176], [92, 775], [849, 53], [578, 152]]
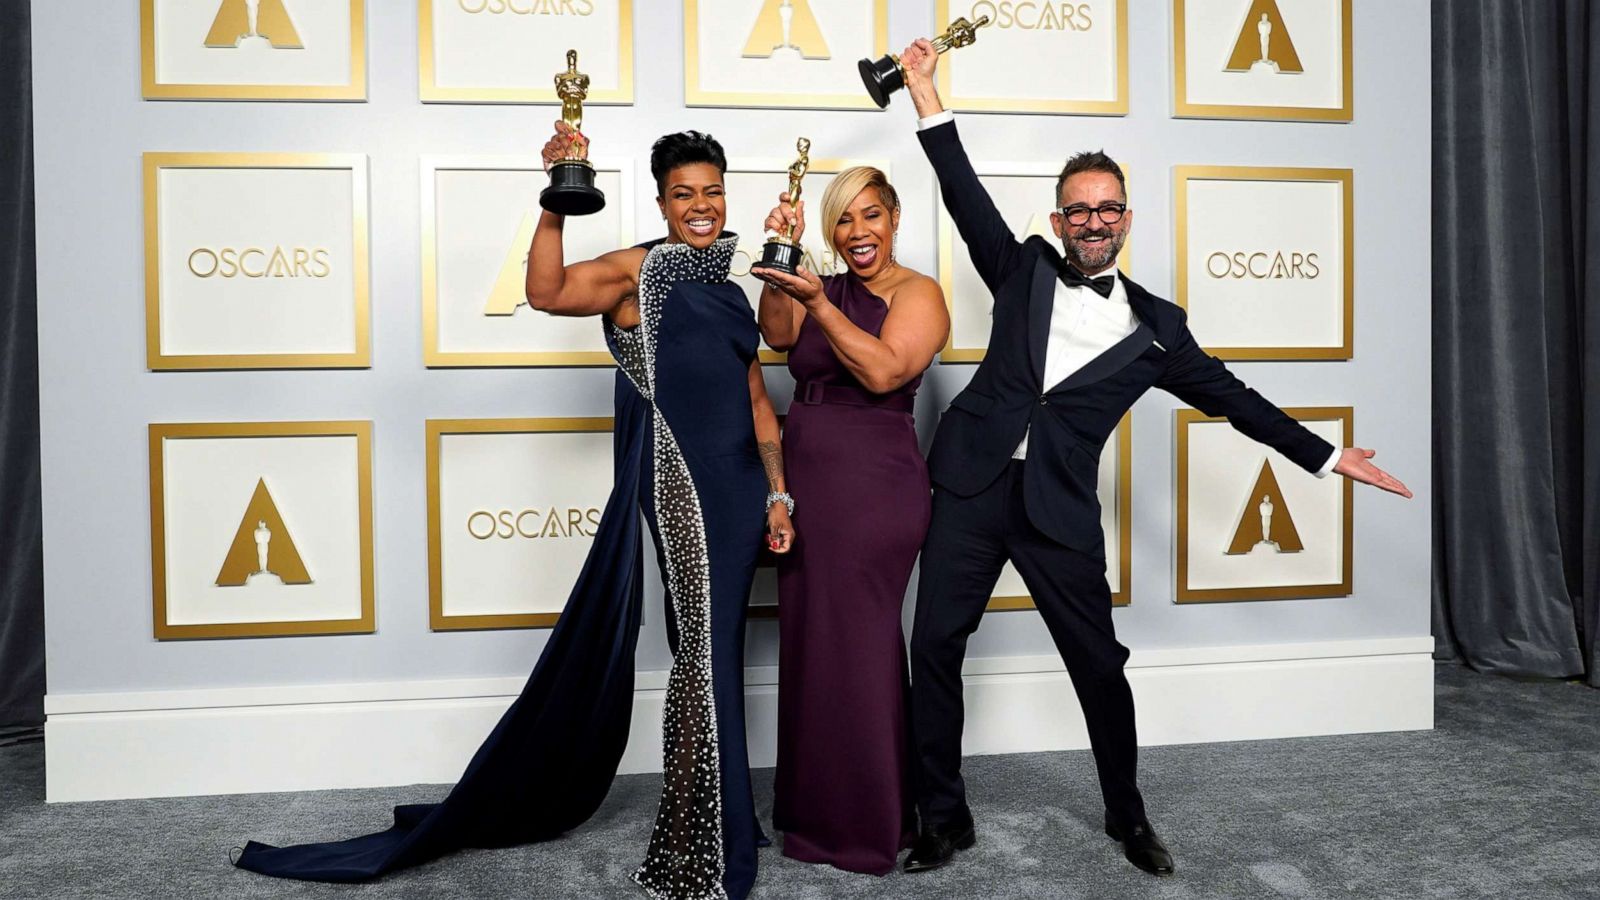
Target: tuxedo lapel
[[1041, 303], [1113, 360], [1143, 304]]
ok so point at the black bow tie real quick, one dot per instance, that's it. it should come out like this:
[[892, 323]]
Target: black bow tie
[[1102, 285]]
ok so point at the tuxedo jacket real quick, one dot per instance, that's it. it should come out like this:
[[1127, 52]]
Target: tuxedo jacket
[[1067, 423]]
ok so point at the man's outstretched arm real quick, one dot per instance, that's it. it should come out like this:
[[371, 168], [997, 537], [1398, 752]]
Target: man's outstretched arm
[[1202, 381]]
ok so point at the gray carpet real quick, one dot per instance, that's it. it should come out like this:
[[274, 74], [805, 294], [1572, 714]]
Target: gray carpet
[[1502, 800]]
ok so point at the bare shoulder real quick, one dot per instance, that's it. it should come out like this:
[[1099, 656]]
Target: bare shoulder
[[627, 260], [919, 290]]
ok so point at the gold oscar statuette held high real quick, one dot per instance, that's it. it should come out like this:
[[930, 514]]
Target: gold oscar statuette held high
[[884, 76], [782, 252], [571, 191]]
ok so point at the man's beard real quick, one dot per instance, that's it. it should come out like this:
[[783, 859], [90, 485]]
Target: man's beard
[[1092, 258]]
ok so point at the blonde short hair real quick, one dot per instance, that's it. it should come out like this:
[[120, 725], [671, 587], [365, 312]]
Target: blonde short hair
[[842, 192]]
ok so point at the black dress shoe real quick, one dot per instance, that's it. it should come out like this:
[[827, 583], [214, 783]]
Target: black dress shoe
[[1142, 848], [937, 845]]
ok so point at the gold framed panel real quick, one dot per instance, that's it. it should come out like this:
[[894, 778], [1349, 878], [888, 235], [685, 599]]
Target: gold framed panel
[[1123, 595], [1183, 419], [432, 356], [951, 353], [354, 90], [1115, 107], [694, 95], [1182, 175], [1183, 109], [160, 433], [436, 429], [429, 91], [359, 358]]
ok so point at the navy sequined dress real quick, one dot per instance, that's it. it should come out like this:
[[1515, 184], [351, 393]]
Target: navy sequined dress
[[685, 456]]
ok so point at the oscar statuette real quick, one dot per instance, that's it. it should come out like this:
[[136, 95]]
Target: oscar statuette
[[781, 252], [884, 76], [571, 191]]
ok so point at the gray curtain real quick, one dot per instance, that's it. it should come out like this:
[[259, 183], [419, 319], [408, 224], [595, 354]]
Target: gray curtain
[[1516, 334], [21, 554]]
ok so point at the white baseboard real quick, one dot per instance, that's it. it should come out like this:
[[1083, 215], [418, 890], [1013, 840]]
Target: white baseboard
[[297, 738]]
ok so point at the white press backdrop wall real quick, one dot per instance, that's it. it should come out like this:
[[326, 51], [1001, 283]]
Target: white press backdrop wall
[[133, 716]]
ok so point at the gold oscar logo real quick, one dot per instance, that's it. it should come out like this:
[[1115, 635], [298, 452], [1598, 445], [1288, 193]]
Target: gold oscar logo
[[257, 262], [1264, 266], [786, 24], [1029, 16], [262, 548], [240, 19], [1266, 521], [527, 7], [556, 522], [510, 286], [1264, 41]]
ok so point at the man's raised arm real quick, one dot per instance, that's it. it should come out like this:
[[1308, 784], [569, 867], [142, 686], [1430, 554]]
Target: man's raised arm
[[992, 246]]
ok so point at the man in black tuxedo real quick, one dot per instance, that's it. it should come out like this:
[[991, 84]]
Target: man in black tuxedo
[[1015, 464]]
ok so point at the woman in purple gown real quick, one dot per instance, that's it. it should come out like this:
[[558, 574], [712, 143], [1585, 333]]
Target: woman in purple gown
[[858, 344]]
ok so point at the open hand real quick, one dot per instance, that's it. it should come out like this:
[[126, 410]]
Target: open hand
[[1353, 465], [794, 217], [802, 286], [780, 529], [566, 143]]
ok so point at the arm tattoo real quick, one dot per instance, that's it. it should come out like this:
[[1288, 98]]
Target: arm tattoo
[[772, 459]]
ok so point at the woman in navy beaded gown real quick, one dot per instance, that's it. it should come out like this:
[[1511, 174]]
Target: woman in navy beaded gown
[[697, 452], [858, 343]]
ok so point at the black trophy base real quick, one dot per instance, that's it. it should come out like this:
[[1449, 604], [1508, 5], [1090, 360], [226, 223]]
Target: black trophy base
[[780, 255], [571, 191], [883, 77]]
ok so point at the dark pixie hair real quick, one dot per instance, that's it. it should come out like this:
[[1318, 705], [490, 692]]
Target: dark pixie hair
[[681, 149], [1091, 161]]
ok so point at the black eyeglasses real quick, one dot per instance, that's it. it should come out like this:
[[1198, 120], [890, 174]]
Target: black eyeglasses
[[1109, 213]]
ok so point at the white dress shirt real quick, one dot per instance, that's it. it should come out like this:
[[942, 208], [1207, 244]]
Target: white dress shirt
[[1083, 324]]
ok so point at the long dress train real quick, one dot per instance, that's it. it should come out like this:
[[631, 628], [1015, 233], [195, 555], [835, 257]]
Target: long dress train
[[685, 456]]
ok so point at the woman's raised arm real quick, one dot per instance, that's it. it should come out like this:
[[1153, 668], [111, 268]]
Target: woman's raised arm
[[606, 285]]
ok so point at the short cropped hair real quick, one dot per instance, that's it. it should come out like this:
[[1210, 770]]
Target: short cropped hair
[[842, 192], [1091, 161], [682, 149]]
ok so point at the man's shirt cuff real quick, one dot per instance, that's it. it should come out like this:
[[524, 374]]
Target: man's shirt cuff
[[1332, 461]]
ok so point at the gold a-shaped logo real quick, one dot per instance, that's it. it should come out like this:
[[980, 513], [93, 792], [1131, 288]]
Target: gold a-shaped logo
[[1264, 41], [786, 24], [510, 290], [1266, 521], [240, 19], [262, 547]]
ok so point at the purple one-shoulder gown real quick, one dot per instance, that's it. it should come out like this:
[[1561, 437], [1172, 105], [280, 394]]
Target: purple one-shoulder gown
[[862, 495]]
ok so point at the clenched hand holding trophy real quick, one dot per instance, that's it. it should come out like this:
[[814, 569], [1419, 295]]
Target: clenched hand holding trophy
[[884, 76], [571, 191], [782, 252]]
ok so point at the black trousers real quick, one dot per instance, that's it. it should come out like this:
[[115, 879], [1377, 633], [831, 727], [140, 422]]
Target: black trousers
[[969, 541]]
